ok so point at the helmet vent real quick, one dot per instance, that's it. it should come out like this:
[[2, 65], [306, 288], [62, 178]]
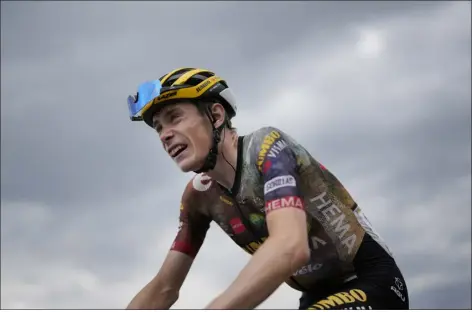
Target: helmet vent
[[198, 78]]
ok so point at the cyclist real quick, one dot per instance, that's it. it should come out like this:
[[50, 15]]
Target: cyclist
[[271, 197]]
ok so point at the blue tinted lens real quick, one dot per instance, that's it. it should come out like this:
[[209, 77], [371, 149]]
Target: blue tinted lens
[[146, 92]]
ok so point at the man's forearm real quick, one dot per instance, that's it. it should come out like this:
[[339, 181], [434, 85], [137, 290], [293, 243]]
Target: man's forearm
[[270, 266], [151, 297]]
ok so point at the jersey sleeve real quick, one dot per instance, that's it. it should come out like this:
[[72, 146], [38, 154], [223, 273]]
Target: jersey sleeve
[[193, 225], [277, 163]]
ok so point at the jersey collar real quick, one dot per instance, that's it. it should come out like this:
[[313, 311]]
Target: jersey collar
[[239, 163]]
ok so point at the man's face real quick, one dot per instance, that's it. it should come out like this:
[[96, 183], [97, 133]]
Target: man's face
[[185, 134]]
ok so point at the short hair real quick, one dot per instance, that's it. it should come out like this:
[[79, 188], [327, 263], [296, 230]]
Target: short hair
[[204, 107]]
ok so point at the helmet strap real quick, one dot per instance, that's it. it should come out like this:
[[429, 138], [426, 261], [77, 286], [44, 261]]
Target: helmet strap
[[210, 160]]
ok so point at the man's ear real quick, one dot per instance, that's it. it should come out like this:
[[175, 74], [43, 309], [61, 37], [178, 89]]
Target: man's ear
[[218, 113]]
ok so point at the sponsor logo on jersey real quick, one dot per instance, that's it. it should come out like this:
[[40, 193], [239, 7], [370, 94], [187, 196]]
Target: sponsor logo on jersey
[[317, 242], [339, 299], [276, 148], [237, 225], [224, 226], [226, 200], [201, 182], [256, 219], [398, 288], [335, 217], [284, 202], [312, 267], [398, 283], [181, 206], [278, 182], [398, 293], [359, 307], [265, 147], [252, 247]]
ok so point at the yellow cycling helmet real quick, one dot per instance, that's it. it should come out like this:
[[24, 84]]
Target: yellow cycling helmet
[[180, 84]]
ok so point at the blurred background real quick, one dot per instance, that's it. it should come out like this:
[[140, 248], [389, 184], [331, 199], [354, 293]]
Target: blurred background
[[379, 92]]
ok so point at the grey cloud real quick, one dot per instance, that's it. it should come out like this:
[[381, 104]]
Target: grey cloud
[[450, 297], [171, 21], [427, 150], [73, 110]]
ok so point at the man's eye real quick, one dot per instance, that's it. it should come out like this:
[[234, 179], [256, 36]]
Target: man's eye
[[174, 117]]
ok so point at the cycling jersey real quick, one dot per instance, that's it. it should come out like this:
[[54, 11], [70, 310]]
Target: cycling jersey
[[274, 171], [379, 284]]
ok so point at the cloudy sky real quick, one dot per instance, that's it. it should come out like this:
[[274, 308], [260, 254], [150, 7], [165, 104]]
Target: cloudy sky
[[378, 92]]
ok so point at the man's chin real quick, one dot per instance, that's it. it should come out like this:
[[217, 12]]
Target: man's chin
[[189, 165]]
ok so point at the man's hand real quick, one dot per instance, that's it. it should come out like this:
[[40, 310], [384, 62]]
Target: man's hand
[[163, 290], [284, 252]]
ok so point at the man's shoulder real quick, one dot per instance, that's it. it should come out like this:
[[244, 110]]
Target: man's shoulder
[[198, 184], [195, 195], [267, 141], [262, 132], [201, 182], [270, 134]]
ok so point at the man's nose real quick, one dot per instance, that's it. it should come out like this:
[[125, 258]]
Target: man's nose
[[166, 135]]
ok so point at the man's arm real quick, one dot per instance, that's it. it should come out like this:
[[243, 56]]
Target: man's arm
[[282, 253], [163, 290], [286, 249]]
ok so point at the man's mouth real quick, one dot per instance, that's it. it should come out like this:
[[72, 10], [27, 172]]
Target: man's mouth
[[177, 150]]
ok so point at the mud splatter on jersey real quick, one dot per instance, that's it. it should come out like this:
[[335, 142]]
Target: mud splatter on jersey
[[273, 172]]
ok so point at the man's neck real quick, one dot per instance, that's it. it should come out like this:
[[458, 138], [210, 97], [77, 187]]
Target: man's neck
[[224, 173]]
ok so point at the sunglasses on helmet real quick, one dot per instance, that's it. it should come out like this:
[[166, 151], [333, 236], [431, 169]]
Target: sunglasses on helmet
[[137, 104]]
